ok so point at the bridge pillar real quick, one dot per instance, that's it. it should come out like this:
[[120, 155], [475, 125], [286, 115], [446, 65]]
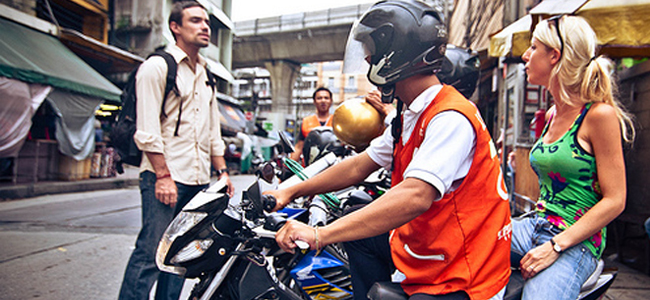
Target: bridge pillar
[[283, 76]]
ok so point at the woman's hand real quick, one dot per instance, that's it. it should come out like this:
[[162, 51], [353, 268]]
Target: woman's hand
[[538, 259]]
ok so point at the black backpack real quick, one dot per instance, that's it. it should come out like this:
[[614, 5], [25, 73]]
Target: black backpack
[[122, 133]]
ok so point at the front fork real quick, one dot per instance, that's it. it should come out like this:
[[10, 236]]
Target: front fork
[[254, 278]]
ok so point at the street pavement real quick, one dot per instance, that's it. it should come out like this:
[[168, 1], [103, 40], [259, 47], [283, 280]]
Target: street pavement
[[76, 245], [71, 246]]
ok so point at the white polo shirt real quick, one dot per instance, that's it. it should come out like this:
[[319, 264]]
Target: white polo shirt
[[446, 153]]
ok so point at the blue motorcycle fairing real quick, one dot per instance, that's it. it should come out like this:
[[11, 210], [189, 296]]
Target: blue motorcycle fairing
[[305, 271], [292, 213]]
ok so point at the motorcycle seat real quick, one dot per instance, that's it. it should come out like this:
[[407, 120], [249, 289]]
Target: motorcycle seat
[[593, 278], [516, 283], [394, 291], [387, 291]]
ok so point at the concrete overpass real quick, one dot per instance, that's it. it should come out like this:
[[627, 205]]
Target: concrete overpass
[[280, 44]]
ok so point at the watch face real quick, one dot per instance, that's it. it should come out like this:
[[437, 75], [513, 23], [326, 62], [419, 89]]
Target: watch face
[[557, 248]]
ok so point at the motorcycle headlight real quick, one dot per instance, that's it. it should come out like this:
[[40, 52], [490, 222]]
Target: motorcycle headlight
[[193, 250], [179, 226], [183, 222]]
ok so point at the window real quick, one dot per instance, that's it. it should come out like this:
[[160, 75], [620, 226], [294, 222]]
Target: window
[[352, 82], [330, 82]]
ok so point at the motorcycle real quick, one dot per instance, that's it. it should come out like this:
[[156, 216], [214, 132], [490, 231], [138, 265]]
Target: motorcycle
[[230, 248]]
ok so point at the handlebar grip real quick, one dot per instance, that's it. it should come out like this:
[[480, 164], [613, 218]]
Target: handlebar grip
[[301, 245], [268, 202]]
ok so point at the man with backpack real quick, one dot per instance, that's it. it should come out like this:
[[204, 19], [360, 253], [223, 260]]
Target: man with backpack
[[180, 141]]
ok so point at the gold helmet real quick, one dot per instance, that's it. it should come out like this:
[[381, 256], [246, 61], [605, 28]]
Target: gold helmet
[[356, 123]]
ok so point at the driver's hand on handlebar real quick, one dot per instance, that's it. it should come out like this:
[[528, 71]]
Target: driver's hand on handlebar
[[294, 231], [281, 198]]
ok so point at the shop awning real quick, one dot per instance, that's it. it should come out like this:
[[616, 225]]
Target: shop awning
[[220, 70], [621, 26], [115, 59], [513, 39], [35, 57]]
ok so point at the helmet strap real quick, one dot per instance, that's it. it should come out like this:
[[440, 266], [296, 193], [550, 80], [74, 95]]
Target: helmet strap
[[387, 93], [396, 128]]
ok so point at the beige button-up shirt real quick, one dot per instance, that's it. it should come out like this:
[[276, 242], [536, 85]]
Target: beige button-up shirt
[[199, 136]]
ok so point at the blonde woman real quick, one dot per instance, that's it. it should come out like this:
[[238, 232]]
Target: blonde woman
[[578, 160]]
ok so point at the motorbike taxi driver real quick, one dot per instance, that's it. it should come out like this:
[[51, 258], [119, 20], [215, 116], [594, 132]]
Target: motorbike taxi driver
[[445, 222]]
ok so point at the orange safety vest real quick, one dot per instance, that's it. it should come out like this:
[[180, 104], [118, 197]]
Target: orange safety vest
[[463, 241], [311, 122]]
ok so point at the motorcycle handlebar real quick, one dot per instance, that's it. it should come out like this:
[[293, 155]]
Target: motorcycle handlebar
[[269, 202]]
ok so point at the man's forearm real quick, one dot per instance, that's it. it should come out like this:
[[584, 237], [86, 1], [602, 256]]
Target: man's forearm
[[344, 174], [218, 162], [158, 162], [398, 206]]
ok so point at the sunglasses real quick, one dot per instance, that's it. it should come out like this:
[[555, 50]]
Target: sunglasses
[[556, 20]]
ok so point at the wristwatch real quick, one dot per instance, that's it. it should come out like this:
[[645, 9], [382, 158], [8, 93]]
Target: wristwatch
[[556, 247], [221, 171]]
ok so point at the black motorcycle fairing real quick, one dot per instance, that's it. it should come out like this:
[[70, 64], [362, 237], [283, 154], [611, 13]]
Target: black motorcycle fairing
[[256, 282], [217, 227]]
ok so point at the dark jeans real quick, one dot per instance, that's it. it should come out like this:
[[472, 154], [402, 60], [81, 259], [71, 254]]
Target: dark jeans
[[370, 262], [141, 271]]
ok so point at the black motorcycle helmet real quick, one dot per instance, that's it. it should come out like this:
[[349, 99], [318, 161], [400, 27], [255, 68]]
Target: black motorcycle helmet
[[399, 39], [460, 69], [319, 142]]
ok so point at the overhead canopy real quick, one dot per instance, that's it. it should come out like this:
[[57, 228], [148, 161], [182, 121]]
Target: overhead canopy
[[35, 57], [115, 59], [220, 70], [621, 26], [513, 39]]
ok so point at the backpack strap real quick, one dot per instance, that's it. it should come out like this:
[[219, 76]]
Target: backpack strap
[[170, 84], [212, 81]]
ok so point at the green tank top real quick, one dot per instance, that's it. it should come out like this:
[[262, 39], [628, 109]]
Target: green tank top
[[568, 181]]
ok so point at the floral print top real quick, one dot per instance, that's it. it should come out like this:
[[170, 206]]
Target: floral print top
[[568, 181]]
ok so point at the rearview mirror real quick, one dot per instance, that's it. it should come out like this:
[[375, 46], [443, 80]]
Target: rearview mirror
[[267, 172], [287, 147]]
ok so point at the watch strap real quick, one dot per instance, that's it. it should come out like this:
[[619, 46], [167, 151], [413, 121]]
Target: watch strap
[[556, 247], [221, 171]]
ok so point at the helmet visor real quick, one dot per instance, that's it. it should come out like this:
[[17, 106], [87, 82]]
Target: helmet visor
[[358, 50]]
